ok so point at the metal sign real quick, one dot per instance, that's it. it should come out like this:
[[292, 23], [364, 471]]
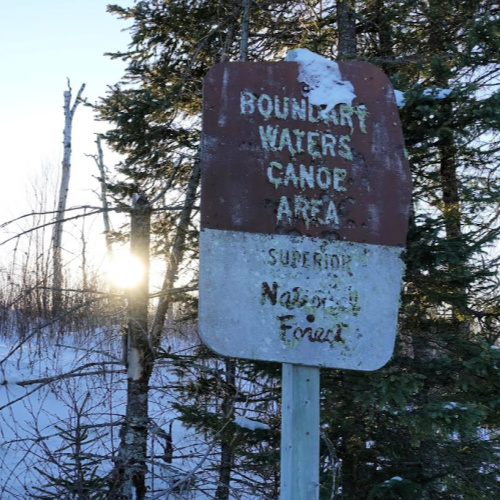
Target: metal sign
[[304, 210]]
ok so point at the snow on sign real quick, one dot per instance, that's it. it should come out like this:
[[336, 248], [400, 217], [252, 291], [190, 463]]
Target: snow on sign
[[304, 212]]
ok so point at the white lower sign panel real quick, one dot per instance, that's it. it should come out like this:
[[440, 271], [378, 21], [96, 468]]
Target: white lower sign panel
[[300, 300]]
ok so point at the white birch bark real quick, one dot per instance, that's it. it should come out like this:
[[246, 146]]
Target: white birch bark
[[57, 278]]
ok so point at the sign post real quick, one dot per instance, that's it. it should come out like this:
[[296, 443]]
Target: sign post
[[300, 432], [304, 213]]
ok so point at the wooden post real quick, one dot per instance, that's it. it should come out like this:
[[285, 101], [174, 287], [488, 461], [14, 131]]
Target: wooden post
[[300, 433]]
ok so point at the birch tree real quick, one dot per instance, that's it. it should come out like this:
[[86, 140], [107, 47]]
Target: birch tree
[[57, 278]]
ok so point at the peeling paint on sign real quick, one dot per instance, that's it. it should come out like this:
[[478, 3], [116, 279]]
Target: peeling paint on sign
[[273, 162], [306, 300], [305, 197]]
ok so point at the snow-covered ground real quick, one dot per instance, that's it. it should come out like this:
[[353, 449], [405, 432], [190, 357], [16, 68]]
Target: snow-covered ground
[[60, 393], [34, 415]]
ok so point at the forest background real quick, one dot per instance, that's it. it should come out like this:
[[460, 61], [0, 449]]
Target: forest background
[[182, 423]]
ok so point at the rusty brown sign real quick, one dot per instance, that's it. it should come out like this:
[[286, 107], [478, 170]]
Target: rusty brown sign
[[304, 212], [274, 163]]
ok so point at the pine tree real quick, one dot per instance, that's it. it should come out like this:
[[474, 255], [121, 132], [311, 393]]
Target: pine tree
[[74, 471], [417, 430], [417, 427]]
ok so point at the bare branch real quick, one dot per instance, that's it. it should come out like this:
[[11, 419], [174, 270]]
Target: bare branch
[[70, 374], [39, 329]]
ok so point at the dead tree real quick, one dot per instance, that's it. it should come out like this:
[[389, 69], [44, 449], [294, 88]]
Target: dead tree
[[57, 277], [131, 466], [103, 196]]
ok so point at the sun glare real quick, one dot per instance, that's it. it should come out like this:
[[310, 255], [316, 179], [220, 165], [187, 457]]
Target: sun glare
[[125, 271]]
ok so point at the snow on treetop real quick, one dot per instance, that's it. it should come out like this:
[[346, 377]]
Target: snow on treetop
[[400, 98], [323, 79], [437, 92], [247, 423], [434, 92]]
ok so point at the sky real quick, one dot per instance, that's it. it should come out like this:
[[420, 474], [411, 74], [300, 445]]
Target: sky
[[42, 45]]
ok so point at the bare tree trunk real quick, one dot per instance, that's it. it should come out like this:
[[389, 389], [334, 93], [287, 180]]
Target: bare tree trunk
[[226, 447], [131, 463], [175, 256], [57, 278], [346, 25], [85, 277], [385, 36], [99, 160], [131, 467], [245, 28]]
